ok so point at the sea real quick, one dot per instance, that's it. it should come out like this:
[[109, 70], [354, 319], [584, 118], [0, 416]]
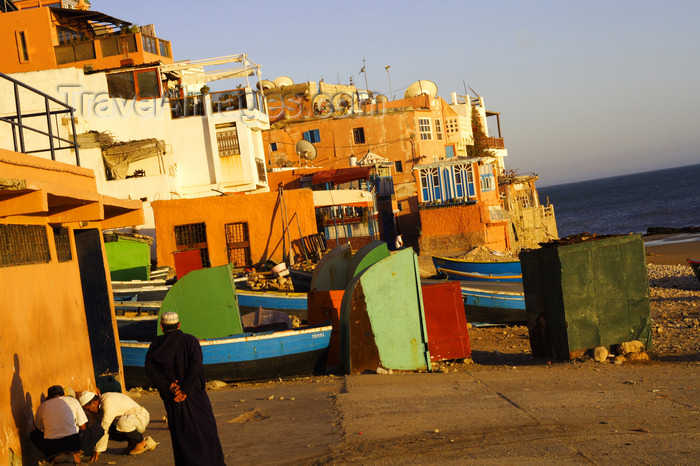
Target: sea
[[627, 204]]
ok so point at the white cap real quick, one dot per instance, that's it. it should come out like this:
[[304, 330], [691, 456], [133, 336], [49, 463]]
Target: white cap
[[86, 397], [169, 318]]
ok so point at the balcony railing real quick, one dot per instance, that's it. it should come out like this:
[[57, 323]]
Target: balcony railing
[[19, 125], [495, 143], [235, 99], [187, 106], [109, 46]]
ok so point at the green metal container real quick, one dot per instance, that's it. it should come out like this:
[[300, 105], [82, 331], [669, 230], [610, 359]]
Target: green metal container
[[580, 296], [129, 258]]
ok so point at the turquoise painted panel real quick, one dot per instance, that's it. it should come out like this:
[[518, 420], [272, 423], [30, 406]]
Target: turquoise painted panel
[[366, 256], [331, 271], [384, 303], [206, 302]]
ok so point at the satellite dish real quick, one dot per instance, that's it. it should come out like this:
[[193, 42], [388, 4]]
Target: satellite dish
[[266, 84], [381, 99], [321, 105], [422, 87], [342, 104], [305, 149], [283, 81]]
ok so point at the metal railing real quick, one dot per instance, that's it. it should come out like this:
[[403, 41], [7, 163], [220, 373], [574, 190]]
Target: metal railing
[[19, 126]]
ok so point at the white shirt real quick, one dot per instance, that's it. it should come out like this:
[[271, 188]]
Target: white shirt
[[60, 417], [128, 415]]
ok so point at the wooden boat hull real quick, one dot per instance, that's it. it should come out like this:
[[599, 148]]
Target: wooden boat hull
[[457, 269], [301, 280], [695, 265], [246, 357], [291, 303], [494, 303]]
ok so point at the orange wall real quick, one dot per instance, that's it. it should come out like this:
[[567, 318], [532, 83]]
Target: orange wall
[[43, 340], [446, 222], [36, 23], [261, 211]]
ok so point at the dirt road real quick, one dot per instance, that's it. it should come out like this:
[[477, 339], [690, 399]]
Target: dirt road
[[530, 412]]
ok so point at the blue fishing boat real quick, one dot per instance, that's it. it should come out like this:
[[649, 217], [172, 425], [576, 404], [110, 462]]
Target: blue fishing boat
[[292, 303], [206, 301], [459, 269], [494, 302]]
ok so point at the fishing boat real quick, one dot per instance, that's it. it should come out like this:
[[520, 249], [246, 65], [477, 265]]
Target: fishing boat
[[695, 265], [459, 269], [301, 279], [494, 302], [206, 301], [131, 295]]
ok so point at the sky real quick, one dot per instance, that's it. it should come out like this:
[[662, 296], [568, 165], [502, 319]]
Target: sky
[[585, 89]]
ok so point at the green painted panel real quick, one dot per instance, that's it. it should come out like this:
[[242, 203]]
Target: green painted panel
[[207, 303], [128, 259], [593, 293], [388, 296], [366, 256], [331, 271]]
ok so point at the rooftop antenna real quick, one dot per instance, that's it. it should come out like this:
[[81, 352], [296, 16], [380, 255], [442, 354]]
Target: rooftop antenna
[[475, 93], [389, 75], [364, 70]]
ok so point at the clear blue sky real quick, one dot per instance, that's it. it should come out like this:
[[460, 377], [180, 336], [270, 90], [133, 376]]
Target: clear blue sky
[[586, 89]]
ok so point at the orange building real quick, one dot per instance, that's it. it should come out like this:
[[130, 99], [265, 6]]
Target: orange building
[[58, 321], [43, 35], [406, 132], [240, 229]]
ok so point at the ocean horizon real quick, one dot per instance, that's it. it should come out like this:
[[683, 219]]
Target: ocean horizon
[[627, 203]]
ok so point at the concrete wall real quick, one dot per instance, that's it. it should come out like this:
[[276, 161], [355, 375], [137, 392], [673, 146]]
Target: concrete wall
[[448, 230], [262, 212]]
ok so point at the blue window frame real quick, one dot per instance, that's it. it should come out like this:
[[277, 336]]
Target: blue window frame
[[273, 146], [312, 136]]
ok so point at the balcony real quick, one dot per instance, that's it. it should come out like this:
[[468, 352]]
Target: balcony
[[494, 143], [107, 51], [236, 99]]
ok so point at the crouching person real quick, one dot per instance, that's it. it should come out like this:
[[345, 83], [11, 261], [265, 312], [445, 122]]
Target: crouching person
[[61, 426], [123, 420]]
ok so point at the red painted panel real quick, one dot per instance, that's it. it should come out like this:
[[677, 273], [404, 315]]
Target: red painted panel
[[446, 322], [324, 306], [187, 261]]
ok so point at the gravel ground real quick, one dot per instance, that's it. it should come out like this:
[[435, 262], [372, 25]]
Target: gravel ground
[[674, 298], [674, 294]]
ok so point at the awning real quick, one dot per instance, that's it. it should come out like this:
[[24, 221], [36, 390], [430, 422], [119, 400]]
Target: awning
[[341, 175], [100, 22]]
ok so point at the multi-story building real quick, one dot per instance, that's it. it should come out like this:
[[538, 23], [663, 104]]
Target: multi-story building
[[151, 128]]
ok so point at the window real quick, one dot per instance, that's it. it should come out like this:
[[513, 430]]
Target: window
[[273, 147], [358, 135], [22, 47], [227, 139], [312, 136], [426, 134], [464, 181], [449, 151], [140, 84], [487, 178], [398, 166], [150, 45], [193, 236], [23, 244], [238, 244], [66, 35], [61, 236], [438, 129]]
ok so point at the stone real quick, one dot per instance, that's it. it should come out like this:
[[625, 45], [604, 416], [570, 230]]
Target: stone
[[216, 385], [620, 359], [600, 354], [382, 371], [628, 347], [643, 356]]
